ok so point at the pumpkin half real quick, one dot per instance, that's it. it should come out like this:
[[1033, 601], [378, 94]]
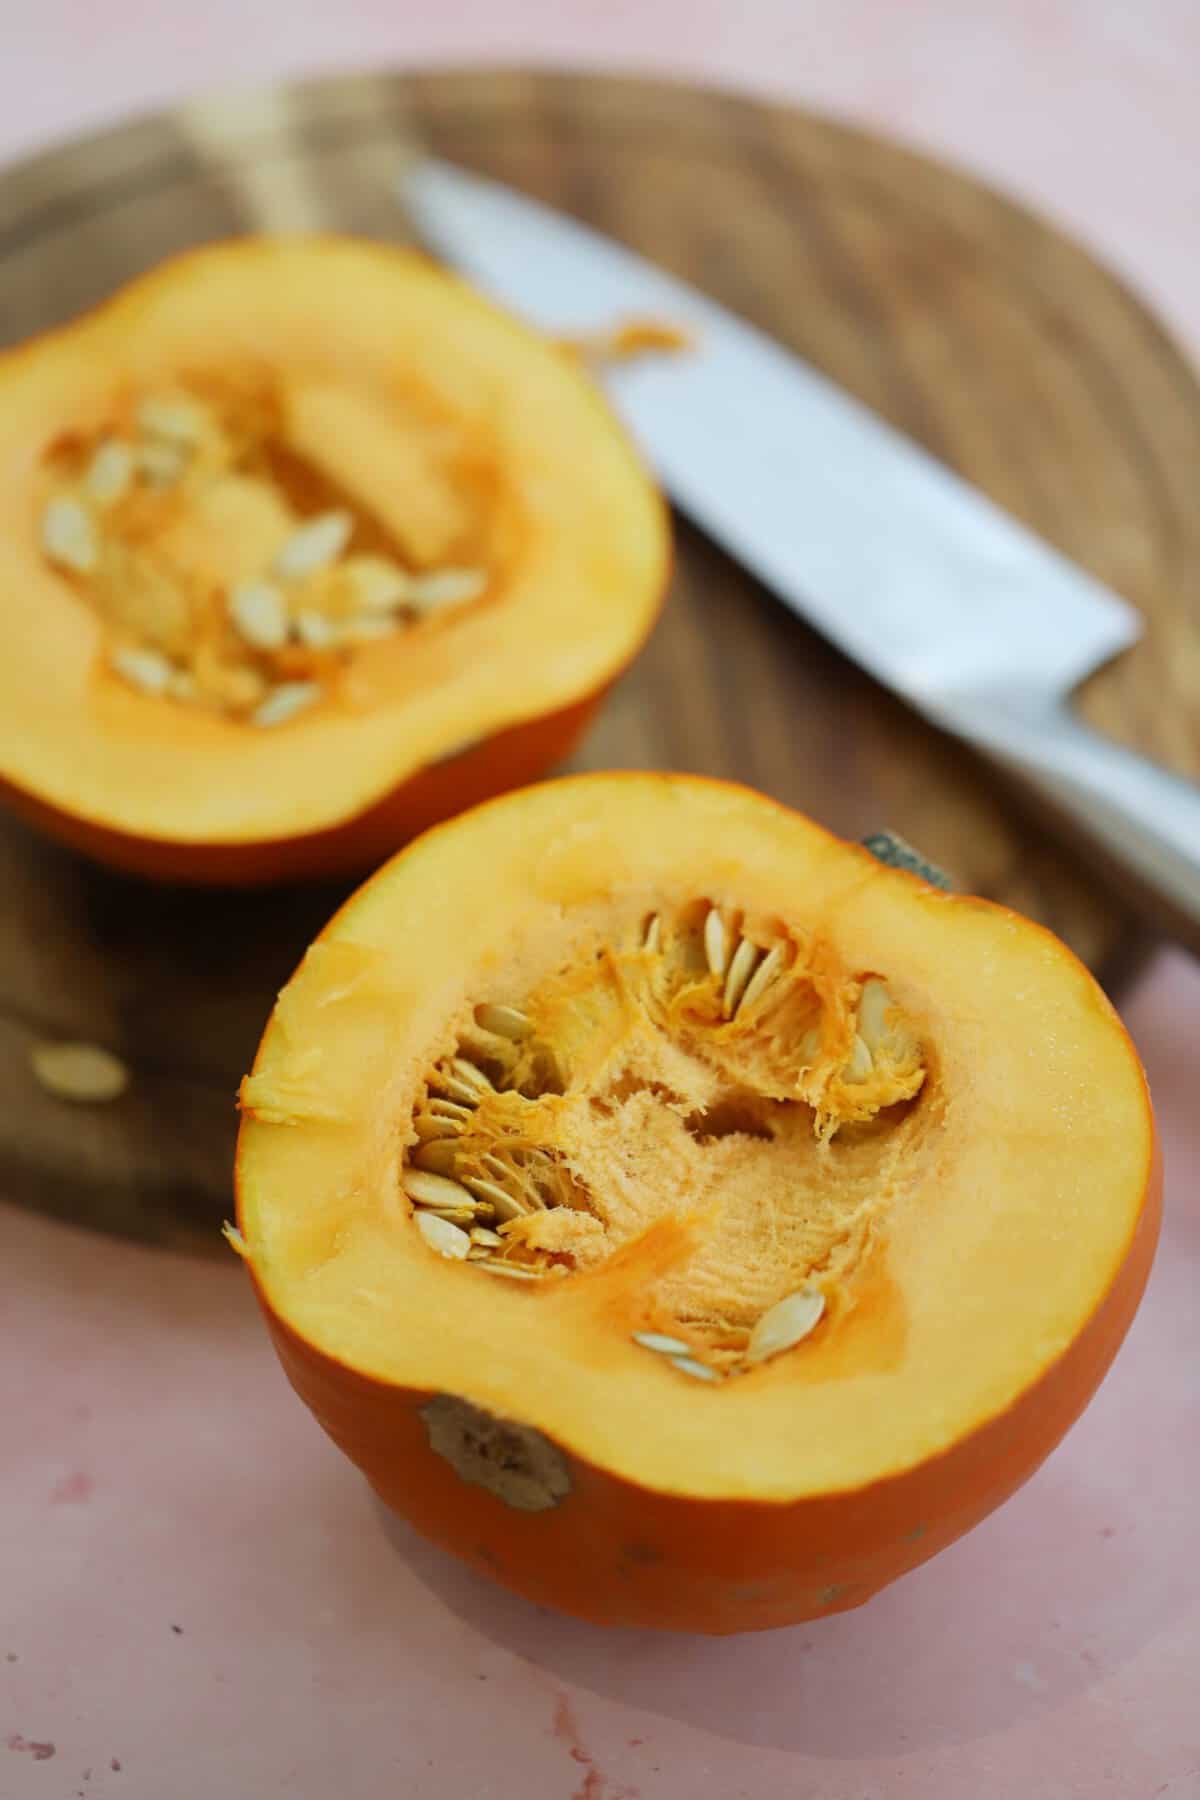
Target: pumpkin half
[[303, 546], [681, 1216]]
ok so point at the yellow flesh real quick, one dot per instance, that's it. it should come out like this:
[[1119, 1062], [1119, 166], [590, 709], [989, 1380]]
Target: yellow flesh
[[389, 372], [964, 1265]]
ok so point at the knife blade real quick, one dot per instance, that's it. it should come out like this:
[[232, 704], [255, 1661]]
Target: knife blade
[[917, 576]]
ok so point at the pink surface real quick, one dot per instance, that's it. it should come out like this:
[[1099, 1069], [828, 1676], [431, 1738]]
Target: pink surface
[[197, 1597]]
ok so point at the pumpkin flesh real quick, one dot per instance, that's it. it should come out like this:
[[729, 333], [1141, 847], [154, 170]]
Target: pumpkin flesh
[[979, 1215]]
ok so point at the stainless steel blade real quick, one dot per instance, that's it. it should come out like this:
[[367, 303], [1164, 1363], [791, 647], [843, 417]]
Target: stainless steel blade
[[911, 571]]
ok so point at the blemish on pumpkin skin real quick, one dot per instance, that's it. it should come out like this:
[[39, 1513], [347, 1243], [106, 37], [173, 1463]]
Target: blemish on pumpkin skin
[[918, 1531], [642, 1554], [40, 1752], [72, 1490], [828, 1595]]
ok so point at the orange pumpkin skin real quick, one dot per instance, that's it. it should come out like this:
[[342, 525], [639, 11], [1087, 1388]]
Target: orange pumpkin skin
[[508, 759], [645, 1559], [614, 1551]]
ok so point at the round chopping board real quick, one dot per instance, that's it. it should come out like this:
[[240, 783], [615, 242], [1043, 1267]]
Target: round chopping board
[[974, 326]]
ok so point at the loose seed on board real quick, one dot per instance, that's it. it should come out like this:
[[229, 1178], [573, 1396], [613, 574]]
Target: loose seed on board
[[109, 474], [716, 943], [80, 1072], [785, 1324], [445, 587], [763, 976], [741, 968], [259, 614], [447, 1239], [147, 670], [316, 543], [68, 535], [428, 1189], [285, 701], [687, 1365], [504, 1021], [660, 1342]]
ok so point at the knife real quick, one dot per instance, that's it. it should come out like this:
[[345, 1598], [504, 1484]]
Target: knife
[[942, 596]]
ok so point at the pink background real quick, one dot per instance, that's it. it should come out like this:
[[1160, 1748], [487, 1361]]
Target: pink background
[[197, 1597]]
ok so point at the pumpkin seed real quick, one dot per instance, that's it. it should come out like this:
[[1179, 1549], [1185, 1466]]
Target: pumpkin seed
[[314, 545], [80, 1072], [428, 1189], [507, 1207], [860, 1064], [177, 420], [687, 1365], [512, 1270], [285, 701], [315, 631], [457, 1090], [438, 1154], [741, 968], [447, 1239], [259, 614], [429, 1125], [448, 1109], [109, 474], [762, 977], [162, 464], [653, 938], [661, 1343], [716, 943], [471, 1075], [147, 670], [504, 1021], [445, 588], [377, 584], [69, 536], [785, 1324]]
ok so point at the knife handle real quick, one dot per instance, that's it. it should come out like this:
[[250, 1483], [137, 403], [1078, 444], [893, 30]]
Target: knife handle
[[1144, 820]]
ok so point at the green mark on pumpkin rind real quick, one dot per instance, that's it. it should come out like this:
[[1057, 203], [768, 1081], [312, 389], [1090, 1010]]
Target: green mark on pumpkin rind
[[892, 850]]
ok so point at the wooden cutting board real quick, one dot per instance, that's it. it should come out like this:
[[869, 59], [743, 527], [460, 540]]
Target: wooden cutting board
[[974, 326]]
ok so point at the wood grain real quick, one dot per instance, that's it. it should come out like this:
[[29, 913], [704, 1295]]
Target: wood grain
[[976, 327]]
